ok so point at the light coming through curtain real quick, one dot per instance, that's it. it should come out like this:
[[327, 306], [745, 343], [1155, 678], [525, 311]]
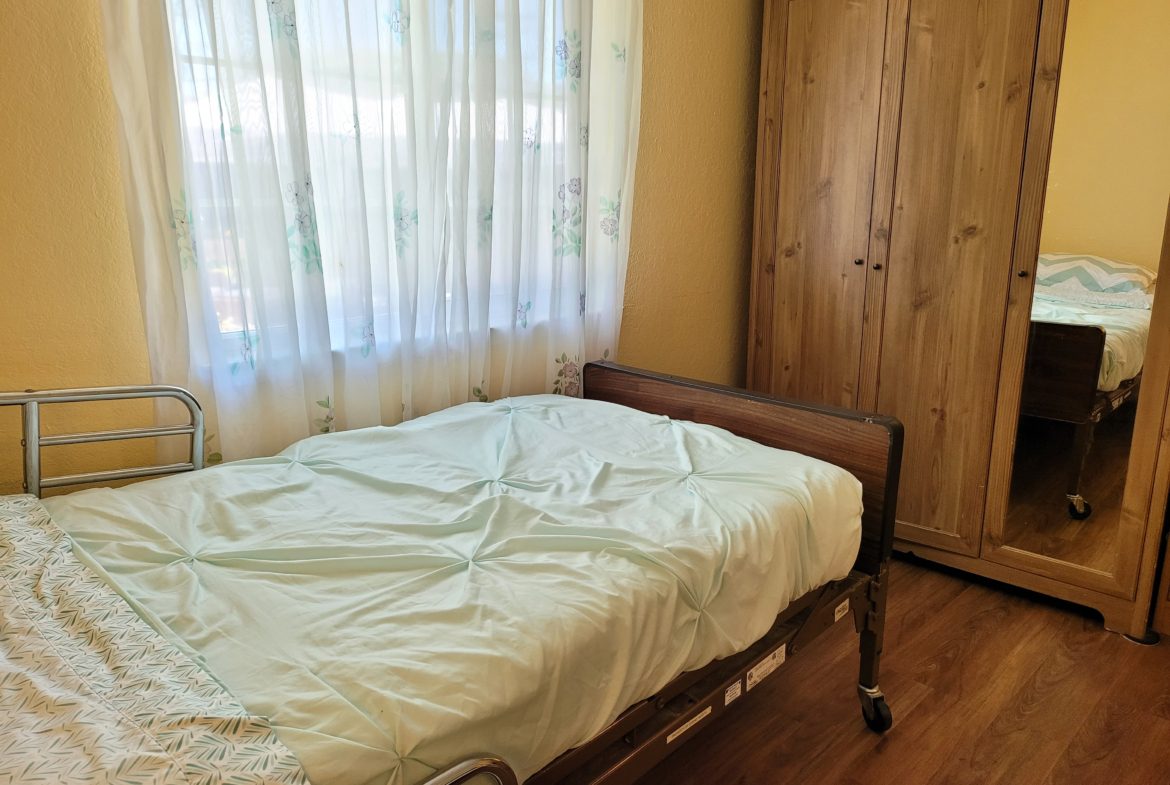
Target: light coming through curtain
[[351, 213]]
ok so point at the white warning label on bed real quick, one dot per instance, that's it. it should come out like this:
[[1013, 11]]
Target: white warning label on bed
[[692, 722], [841, 610], [766, 667], [732, 692]]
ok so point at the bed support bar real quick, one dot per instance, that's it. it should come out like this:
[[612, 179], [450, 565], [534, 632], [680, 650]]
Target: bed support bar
[[485, 766], [32, 440]]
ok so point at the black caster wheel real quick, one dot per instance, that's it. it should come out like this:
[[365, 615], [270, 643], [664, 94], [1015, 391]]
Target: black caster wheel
[[877, 715], [1079, 515]]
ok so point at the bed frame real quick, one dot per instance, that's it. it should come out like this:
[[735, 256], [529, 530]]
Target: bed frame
[[870, 447], [1060, 383]]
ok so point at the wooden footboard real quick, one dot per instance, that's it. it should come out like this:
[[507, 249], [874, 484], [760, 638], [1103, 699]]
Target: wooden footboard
[[867, 446], [870, 447], [1061, 371]]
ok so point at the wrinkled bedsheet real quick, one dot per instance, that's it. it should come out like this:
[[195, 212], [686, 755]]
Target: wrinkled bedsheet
[[503, 577]]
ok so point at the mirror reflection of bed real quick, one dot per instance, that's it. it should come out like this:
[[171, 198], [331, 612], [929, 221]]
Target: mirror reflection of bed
[[1038, 518], [1095, 284], [1082, 376]]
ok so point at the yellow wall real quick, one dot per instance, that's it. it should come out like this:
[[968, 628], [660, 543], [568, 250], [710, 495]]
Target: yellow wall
[[69, 312], [690, 248], [1110, 175]]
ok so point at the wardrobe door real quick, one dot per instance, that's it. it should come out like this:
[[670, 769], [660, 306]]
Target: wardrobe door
[[819, 106], [965, 105]]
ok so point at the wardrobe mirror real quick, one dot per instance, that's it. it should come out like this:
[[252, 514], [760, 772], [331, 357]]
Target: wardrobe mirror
[[1095, 283]]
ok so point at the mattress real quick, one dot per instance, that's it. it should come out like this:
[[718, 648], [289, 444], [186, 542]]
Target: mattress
[[1127, 330], [503, 577]]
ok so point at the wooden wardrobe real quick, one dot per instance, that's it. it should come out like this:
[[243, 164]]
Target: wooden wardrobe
[[903, 154]]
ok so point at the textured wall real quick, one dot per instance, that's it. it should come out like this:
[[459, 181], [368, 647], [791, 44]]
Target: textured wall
[[690, 248], [1110, 174], [69, 311]]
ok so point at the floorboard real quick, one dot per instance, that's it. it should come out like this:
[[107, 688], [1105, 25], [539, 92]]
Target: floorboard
[[987, 685], [1037, 518]]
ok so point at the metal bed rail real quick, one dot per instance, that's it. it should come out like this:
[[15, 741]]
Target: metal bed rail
[[32, 440], [485, 765]]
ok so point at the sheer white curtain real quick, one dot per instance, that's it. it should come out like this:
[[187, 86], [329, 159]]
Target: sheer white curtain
[[350, 213]]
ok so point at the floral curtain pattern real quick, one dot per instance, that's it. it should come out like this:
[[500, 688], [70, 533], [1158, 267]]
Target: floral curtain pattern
[[351, 213]]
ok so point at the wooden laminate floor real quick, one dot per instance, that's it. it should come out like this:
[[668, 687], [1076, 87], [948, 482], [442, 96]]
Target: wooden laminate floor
[[1038, 520], [987, 685]]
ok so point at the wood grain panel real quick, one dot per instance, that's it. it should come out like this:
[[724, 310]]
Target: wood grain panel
[[869, 448], [833, 57], [1115, 610], [884, 180], [1147, 486], [964, 121], [772, 57]]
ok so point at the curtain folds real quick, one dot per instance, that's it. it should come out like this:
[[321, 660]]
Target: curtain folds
[[351, 213]]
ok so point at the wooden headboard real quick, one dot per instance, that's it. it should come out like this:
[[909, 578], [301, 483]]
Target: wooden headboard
[[868, 446]]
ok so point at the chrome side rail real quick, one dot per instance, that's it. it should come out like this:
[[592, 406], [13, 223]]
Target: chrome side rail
[[32, 441], [486, 765]]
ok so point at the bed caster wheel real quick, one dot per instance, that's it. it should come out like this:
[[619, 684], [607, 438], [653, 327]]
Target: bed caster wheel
[[875, 710], [878, 716], [1079, 512]]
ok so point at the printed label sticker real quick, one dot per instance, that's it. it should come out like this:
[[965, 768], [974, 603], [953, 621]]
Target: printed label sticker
[[766, 667], [841, 610], [692, 722], [732, 692]]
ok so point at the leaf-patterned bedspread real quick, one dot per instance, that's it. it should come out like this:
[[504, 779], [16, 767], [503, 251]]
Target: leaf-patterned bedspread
[[89, 693]]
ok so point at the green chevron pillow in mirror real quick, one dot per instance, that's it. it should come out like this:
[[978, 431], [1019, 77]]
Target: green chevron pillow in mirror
[[1094, 279]]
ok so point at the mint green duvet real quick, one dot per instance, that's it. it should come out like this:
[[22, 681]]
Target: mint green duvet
[[502, 578]]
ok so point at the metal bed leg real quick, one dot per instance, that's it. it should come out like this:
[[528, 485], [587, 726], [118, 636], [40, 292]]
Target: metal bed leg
[[874, 708], [31, 445], [1078, 508]]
